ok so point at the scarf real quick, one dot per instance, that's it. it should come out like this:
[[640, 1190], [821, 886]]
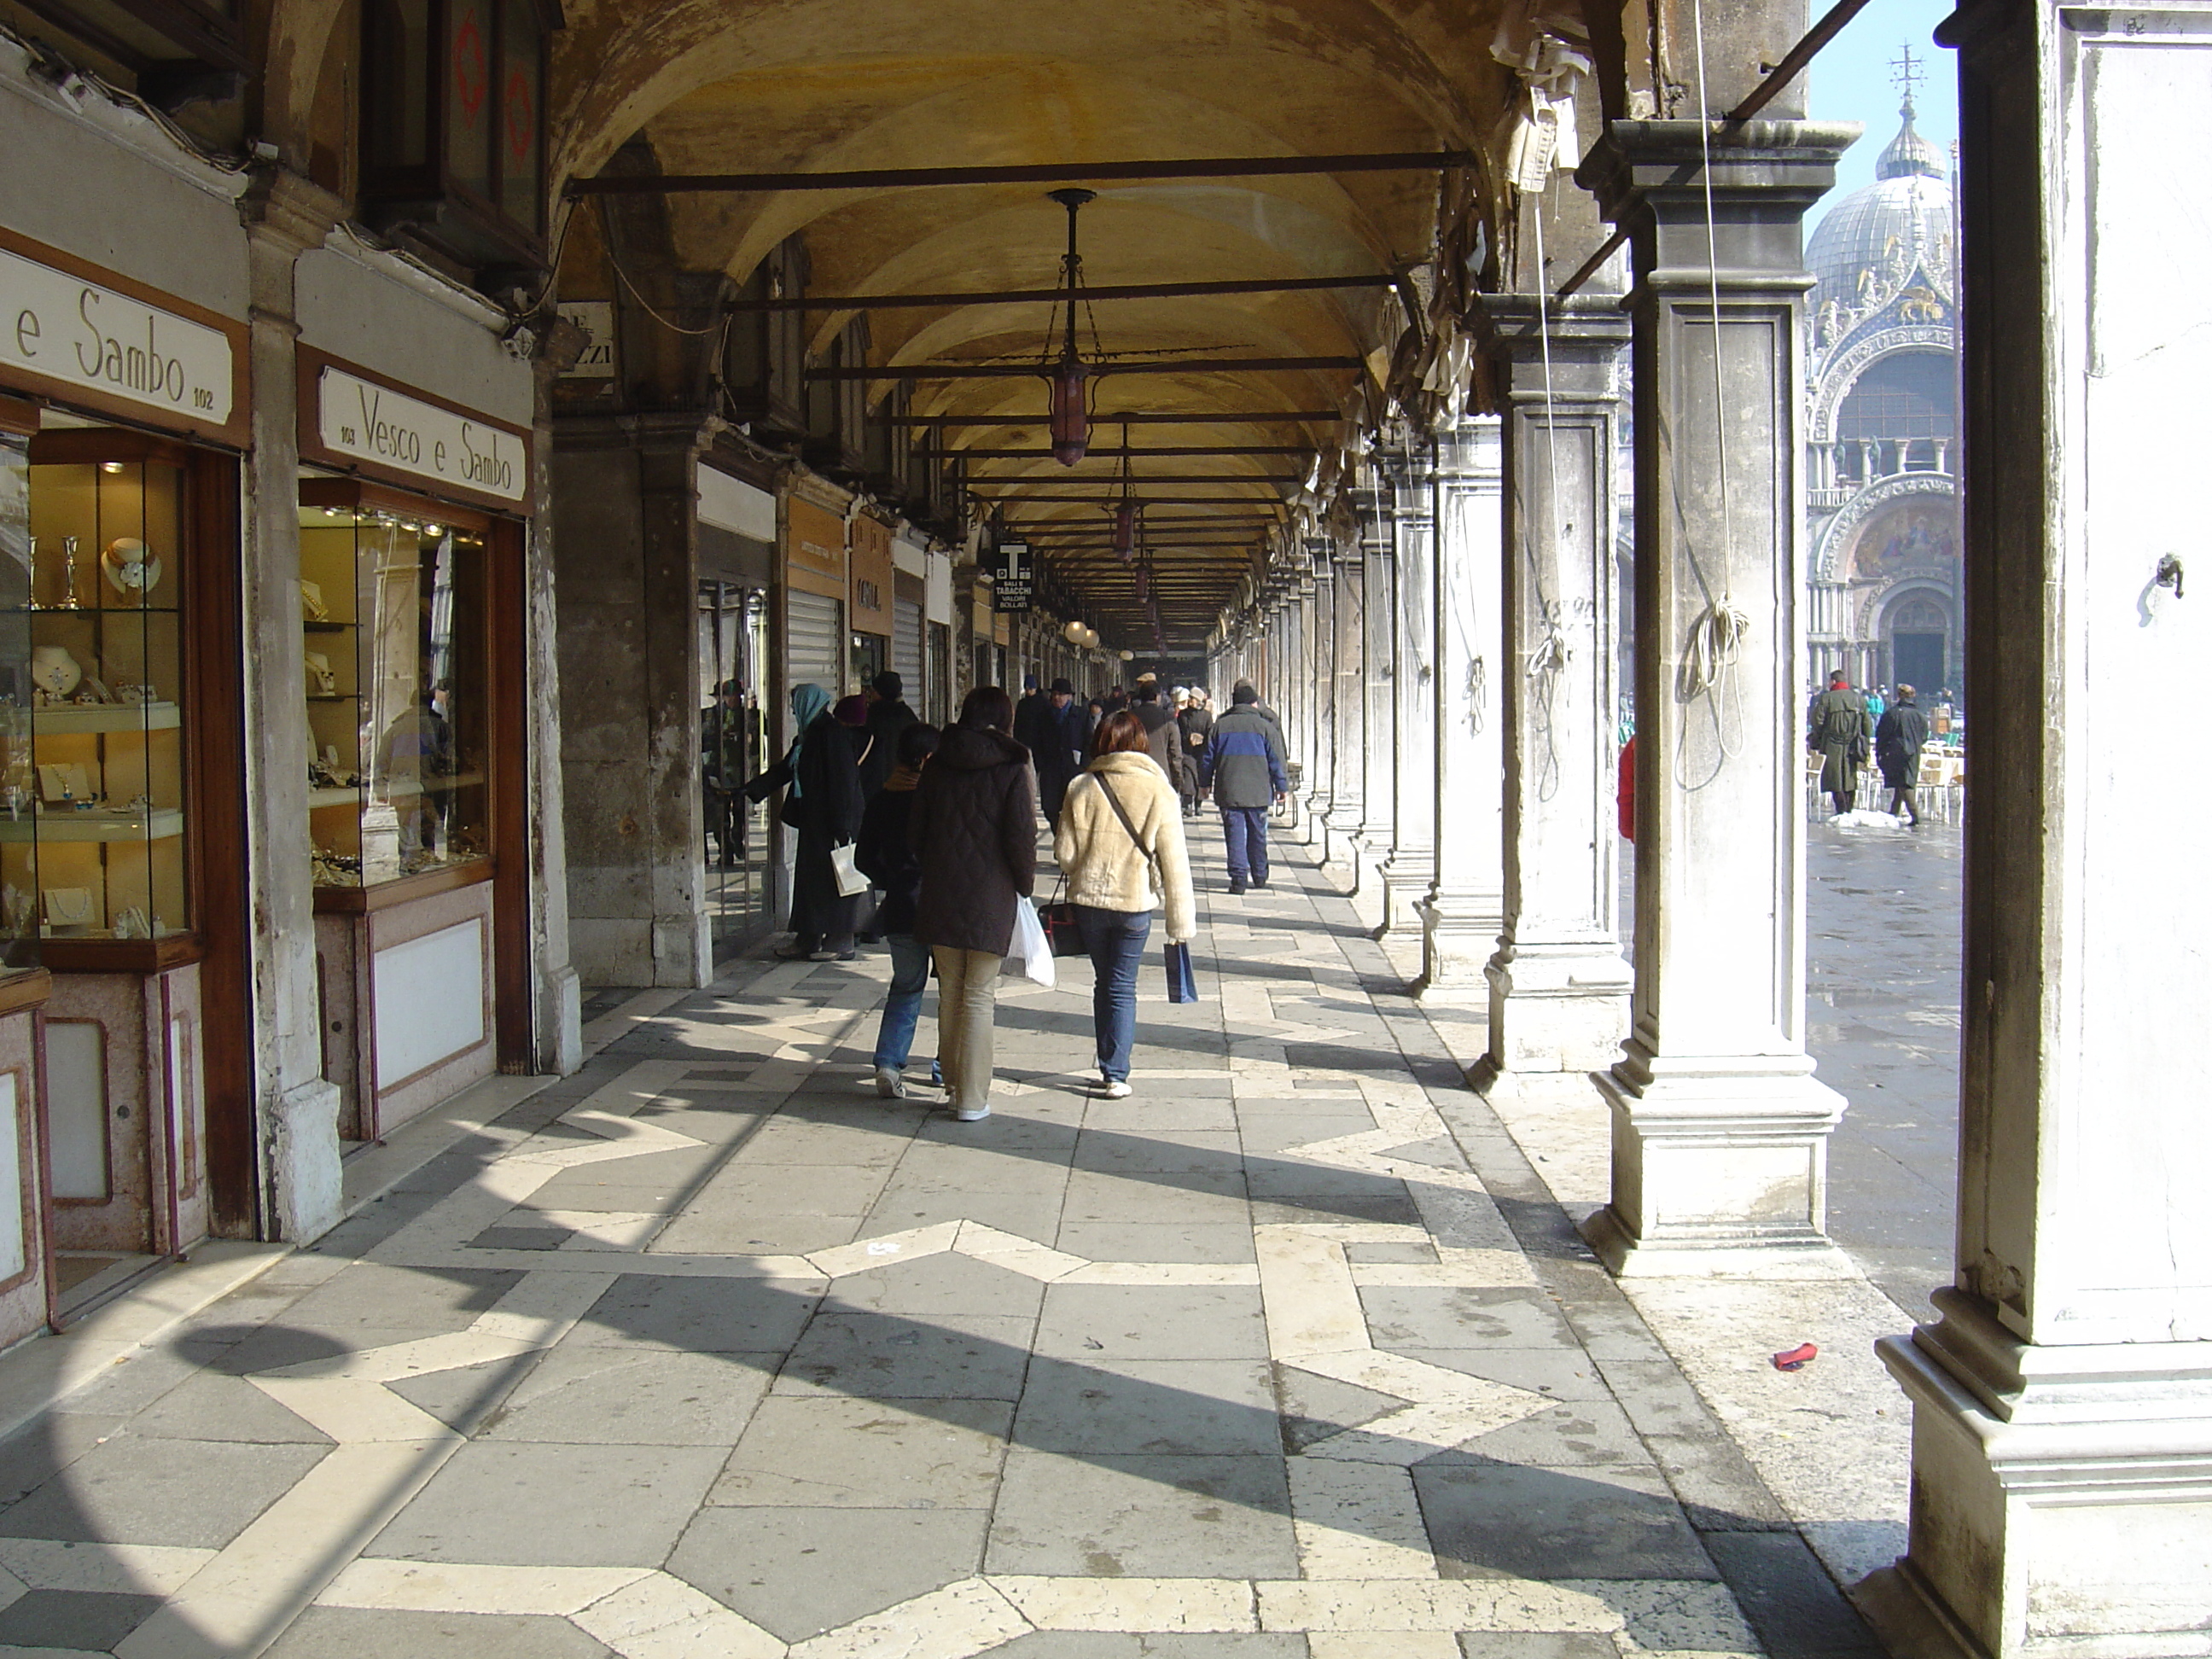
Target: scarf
[[807, 701]]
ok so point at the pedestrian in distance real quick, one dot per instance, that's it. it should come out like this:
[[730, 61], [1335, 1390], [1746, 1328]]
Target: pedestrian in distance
[[973, 828], [1898, 738], [820, 776], [1243, 765], [1120, 844], [1029, 713], [888, 716], [725, 763], [887, 858], [1063, 736], [1838, 731], [1162, 737], [1196, 721]]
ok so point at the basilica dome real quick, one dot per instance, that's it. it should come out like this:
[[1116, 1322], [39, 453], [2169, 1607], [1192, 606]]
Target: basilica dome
[[1869, 242]]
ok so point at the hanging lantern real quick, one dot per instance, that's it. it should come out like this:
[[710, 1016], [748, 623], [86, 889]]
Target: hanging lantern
[[1125, 531], [1074, 633], [1068, 377], [1141, 580]]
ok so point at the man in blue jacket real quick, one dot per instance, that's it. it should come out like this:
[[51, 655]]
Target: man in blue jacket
[[1243, 764]]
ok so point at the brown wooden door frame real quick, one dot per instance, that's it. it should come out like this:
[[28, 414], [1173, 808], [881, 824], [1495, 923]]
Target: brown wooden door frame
[[506, 626]]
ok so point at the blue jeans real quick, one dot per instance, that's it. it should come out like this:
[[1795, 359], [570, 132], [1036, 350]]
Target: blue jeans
[[902, 1007], [1246, 829], [1115, 940]]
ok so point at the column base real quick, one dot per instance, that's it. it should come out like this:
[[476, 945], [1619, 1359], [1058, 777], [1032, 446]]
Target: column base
[[1406, 878], [1558, 1010], [2062, 1496], [1459, 935], [1719, 1168], [305, 1180]]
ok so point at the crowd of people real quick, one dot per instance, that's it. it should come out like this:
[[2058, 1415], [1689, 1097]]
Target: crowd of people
[[927, 841]]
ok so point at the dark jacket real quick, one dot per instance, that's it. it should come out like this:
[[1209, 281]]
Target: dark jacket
[[1898, 738], [885, 721], [1836, 730], [1165, 738], [1029, 710], [884, 856], [1243, 759], [1063, 743], [974, 829]]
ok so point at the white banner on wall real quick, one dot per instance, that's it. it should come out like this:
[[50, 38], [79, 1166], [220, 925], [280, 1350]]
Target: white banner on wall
[[373, 423], [84, 335]]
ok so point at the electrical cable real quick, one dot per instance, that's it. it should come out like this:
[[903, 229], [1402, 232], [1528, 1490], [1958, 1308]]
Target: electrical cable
[[1548, 660]]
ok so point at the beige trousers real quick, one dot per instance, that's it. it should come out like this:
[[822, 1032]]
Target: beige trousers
[[967, 1006]]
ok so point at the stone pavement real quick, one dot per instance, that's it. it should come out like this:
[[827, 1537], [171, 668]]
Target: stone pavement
[[707, 1353]]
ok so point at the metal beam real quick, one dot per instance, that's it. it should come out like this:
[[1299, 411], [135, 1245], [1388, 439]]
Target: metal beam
[[1037, 371], [1137, 454], [1049, 173], [1057, 295], [1051, 481], [1149, 501], [1231, 418]]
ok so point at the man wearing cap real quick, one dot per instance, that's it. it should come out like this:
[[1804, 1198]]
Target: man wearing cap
[[1029, 713], [888, 716], [723, 765], [1063, 732], [1243, 763]]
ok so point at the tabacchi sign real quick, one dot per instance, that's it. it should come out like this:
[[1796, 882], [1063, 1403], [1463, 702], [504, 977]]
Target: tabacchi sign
[[373, 423], [84, 335]]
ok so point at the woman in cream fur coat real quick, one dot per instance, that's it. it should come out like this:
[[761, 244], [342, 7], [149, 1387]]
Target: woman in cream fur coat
[[1115, 879]]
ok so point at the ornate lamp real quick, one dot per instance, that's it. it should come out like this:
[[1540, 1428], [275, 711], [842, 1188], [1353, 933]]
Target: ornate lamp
[[1068, 377]]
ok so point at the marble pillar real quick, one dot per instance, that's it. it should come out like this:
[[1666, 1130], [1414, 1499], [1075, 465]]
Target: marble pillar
[[2062, 1456], [1318, 741], [1410, 869], [1720, 1131], [1558, 984], [1378, 643], [1466, 903], [1348, 724]]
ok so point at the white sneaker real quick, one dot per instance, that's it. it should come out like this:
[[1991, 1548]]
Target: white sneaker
[[890, 1085], [966, 1113], [1117, 1089]]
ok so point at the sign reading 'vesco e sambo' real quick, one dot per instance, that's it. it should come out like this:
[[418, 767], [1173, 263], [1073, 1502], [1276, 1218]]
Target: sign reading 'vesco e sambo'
[[84, 335], [376, 424]]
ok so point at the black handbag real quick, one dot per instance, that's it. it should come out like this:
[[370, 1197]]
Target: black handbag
[[1062, 929]]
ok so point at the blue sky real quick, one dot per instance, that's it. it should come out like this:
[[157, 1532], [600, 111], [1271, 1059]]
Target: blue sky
[[1852, 81]]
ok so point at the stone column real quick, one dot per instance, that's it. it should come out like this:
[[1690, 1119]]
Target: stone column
[[1558, 985], [1720, 1132], [1319, 741], [302, 1191], [1409, 871], [1378, 640], [1347, 801], [1467, 901], [2062, 1460], [556, 1015]]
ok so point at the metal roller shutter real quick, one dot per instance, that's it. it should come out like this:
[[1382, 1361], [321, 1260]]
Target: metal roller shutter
[[906, 647], [813, 643]]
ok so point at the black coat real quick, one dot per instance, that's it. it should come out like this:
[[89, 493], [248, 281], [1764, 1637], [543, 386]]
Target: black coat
[[1897, 741], [886, 858], [974, 829], [1165, 738], [826, 813], [886, 720]]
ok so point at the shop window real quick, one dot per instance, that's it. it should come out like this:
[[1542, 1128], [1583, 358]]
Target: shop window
[[102, 854], [453, 128], [391, 604], [19, 852]]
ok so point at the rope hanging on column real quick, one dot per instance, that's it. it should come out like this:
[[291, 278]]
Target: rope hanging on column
[[1717, 636]]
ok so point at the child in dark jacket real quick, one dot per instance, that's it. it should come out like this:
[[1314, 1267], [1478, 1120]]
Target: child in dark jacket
[[885, 859]]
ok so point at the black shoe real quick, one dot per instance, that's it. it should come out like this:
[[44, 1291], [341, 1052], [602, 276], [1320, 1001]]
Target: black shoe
[[1258, 885], [1235, 888]]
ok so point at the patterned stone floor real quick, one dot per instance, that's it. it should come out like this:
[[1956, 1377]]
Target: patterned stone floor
[[707, 1353]]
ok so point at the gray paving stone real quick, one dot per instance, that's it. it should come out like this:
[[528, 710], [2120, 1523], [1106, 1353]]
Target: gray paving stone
[[1101, 1644], [1025, 1214], [1156, 1196], [213, 1406], [1535, 1644], [365, 1633], [935, 1285], [1574, 1434], [798, 1572], [885, 1357], [756, 1232], [1500, 1521], [633, 1397], [821, 1452], [1180, 1104], [1424, 1318], [1151, 1406], [91, 1620], [698, 1316], [1157, 1241], [1131, 1321], [523, 1505], [424, 1302], [1292, 1178], [463, 1397], [789, 1139], [1121, 1152], [847, 1190], [199, 1494], [1324, 1208], [1562, 1373], [1168, 1517]]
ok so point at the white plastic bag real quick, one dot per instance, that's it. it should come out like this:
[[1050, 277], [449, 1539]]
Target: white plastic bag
[[851, 884], [1030, 954]]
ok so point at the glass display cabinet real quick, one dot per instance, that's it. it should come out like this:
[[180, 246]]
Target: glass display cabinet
[[101, 852], [19, 852], [392, 603]]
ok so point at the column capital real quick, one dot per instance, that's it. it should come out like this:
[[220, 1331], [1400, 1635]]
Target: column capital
[[1583, 329], [1471, 452], [284, 210]]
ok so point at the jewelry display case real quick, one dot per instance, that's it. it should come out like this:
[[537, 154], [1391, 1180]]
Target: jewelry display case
[[391, 605], [19, 855], [102, 853]]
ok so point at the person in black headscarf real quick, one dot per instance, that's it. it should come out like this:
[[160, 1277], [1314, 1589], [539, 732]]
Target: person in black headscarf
[[821, 778]]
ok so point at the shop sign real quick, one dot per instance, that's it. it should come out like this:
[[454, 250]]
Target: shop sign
[[597, 319], [1012, 579], [84, 335], [364, 421]]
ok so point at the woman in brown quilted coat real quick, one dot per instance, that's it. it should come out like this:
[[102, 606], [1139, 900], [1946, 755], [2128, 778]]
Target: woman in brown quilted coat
[[974, 829]]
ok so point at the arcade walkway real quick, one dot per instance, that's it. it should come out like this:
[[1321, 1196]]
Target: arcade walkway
[[706, 1352]]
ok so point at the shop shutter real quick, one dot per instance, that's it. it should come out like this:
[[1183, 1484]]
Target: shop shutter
[[813, 643], [906, 647]]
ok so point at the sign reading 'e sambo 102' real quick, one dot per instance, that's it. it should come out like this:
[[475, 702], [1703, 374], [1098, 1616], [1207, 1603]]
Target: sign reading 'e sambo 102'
[[374, 423], [84, 335]]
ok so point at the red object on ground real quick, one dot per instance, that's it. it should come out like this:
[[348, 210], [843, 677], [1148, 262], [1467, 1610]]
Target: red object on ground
[[1797, 1359], [1627, 790]]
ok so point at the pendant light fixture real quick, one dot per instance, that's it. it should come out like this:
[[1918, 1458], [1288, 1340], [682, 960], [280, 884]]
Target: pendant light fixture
[[1068, 377], [1127, 509]]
